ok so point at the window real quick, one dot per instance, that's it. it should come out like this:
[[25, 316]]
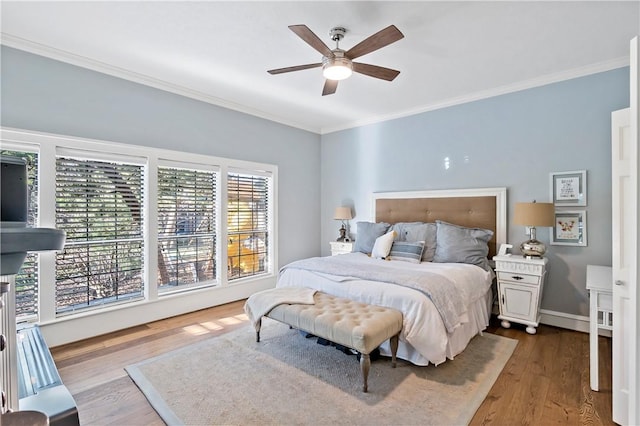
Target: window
[[27, 279], [247, 224], [144, 236], [99, 205], [186, 227]]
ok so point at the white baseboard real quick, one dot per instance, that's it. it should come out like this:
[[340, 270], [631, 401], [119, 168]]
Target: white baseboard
[[563, 320], [568, 321]]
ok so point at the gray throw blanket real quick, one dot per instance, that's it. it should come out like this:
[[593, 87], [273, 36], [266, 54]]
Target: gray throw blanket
[[442, 291]]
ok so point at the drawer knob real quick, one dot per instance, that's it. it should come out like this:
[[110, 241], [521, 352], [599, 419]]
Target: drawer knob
[[517, 277], [619, 282]]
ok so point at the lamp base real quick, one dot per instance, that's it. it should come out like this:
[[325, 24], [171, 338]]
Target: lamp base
[[532, 248], [343, 234]]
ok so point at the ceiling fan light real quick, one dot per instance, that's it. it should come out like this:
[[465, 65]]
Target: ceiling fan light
[[337, 69]]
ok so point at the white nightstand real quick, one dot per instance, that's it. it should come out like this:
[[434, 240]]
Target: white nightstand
[[520, 283], [341, 247]]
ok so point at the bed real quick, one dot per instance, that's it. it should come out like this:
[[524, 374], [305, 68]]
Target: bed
[[439, 319]]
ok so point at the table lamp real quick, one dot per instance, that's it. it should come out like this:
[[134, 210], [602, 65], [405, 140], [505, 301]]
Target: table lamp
[[343, 213], [532, 215]]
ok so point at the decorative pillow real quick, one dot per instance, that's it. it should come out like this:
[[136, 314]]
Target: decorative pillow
[[457, 244], [426, 232], [366, 235], [406, 251], [382, 246], [418, 231]]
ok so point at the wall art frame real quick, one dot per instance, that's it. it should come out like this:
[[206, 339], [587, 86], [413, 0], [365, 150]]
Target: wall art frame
[[569, 228], [569, 189]]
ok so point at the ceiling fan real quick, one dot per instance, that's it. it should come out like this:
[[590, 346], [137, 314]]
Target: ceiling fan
[[337, 64]]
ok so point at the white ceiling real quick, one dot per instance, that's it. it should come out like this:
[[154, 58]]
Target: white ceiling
[[219, 51]]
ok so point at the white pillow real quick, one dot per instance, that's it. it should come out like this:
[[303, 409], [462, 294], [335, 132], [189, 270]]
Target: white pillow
[[383, 244]]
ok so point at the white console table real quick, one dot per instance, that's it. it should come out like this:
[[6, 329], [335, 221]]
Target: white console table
[[599, 283]]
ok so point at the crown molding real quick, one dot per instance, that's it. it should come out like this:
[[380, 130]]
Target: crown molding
[[88, 63], [496, 91], [104, 68]]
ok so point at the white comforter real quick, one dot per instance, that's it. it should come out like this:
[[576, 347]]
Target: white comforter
[[424, 338]]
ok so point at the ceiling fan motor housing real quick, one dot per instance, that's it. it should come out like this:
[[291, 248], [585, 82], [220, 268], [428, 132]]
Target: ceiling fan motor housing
[[337, 33], [337, 66]]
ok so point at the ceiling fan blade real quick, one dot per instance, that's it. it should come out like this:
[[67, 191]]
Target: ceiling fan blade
[[375, 71], [330, 87], [377, 41], [295, 68], [312, 40]]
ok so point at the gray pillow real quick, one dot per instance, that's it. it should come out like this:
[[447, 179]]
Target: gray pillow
[[366, 235], [402, 228], [457, 244], [426, 232]]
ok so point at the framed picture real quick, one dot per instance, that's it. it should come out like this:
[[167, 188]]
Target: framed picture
[[569, 228], [569, 188]]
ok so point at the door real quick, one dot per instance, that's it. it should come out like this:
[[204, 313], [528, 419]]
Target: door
[[625, 221]]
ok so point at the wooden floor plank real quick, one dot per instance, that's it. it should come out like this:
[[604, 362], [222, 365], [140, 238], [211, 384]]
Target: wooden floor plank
[[546, 381]]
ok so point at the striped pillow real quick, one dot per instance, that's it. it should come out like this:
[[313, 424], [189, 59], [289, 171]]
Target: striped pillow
[[406, 251]]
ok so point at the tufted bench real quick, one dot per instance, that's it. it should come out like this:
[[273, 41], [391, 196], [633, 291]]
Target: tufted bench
[[352, 324]]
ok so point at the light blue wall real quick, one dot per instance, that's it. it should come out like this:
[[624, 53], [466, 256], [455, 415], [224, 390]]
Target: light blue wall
[[511, 141], [50, 96]]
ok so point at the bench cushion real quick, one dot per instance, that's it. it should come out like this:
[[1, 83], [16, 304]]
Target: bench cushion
[[356, 325]]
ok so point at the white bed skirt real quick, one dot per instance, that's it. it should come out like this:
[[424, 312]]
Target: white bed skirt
[[479, 315]]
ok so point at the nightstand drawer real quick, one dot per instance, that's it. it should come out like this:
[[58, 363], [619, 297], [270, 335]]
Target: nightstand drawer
[[518, 278], [340, 247]]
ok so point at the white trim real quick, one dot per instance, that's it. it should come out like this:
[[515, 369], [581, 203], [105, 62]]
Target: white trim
[[568, 321], [489, 93], [185, 165], [47, 219], [96, 322], [34, 138], [104, 68], [499, 193], [102, 156]]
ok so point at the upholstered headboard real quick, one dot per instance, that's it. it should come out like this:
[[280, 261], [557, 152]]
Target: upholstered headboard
[[474, 208]]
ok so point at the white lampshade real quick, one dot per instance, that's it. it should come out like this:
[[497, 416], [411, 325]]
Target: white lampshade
[[342, 213]]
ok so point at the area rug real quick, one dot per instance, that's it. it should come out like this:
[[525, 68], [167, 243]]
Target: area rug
[[290, 379]]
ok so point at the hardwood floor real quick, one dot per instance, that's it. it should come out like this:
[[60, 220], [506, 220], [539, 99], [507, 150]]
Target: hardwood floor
[[546, 381]]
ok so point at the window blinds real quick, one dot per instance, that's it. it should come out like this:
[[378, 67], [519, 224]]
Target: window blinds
[[99, 205], [247, 224], [186, 226]]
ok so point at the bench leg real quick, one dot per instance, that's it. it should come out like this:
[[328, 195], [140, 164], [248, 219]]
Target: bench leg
[[258, 325], [365, 364], [393, 342]]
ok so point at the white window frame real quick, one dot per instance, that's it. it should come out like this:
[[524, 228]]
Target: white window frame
[[217, 207], [86, 155], [270, 214], [88, 323]]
